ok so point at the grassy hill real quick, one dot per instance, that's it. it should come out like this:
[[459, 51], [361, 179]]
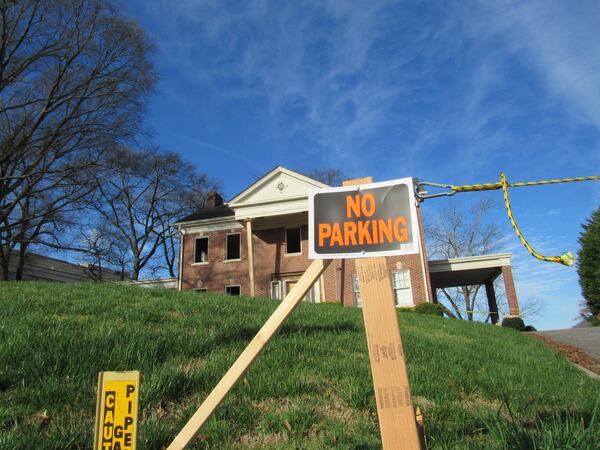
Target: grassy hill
[[480, 386]]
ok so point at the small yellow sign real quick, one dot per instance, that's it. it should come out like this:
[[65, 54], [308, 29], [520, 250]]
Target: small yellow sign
[[117, 411]]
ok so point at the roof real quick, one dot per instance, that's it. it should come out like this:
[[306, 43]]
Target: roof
[[269, 174], [467, 271], [209, 213], [295, 185]]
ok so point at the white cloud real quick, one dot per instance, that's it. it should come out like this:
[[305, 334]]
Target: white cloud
[[560, 40]]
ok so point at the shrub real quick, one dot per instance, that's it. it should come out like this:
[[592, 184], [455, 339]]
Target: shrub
[[529, 328], [331, 303], [430, 308], [515, 323]]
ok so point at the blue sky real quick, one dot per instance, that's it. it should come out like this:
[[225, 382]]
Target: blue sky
[[451, 92]]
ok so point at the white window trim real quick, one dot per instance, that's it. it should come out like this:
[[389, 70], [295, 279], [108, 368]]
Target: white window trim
[[225, 255], [207, 250], [300, 231], [409, 287], [233, 285], [279, 283], [358, 305]]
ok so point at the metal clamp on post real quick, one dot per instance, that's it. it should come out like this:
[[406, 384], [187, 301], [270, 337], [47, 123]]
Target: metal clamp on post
[[422, 194]]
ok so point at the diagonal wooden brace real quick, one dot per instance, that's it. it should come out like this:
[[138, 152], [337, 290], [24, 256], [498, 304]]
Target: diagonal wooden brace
[[258, 343]]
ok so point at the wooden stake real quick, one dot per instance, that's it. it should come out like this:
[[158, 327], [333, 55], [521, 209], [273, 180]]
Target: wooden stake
[[388, 367], [258, 343]]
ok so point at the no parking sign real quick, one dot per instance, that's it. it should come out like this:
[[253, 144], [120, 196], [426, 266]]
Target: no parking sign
[[377, 219]]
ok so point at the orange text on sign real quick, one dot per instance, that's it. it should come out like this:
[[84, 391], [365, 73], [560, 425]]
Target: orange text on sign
[[359, 231]]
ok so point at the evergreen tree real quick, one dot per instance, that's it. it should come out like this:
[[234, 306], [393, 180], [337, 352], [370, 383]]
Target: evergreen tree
[[588, 266]]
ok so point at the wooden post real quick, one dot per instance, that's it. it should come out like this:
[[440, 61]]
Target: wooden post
[[250, 255], [258, 343], [397, 421]]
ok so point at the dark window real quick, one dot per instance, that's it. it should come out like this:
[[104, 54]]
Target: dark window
[[293, 241], [232, 246], [201, 251], [201, 290], [232, 290]]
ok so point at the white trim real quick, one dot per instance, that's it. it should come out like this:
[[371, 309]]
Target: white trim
[[409, 287], [356, 290], [406, 249], [240, 249], [200, 227], [281, 208], [180, 268], [299, 228], [279, 284], [265, 178], [469, 262], [216, 220], [274, 200], [425, 286]]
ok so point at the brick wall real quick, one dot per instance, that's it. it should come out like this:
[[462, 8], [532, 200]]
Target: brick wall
[[270, 258], [511, 293], [217, 273], [338, 278]]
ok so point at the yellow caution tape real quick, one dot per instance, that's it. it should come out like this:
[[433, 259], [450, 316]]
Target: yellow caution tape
[[566, 258], [499, 185]]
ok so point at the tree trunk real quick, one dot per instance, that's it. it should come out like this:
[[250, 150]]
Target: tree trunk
[[99, 279], [4, 262], [21, 262], [135, 272]]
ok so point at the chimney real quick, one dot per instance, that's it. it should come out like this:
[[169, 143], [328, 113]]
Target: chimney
[[213, 199]]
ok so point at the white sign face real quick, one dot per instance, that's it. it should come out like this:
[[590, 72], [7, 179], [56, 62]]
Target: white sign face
[[377, 219]]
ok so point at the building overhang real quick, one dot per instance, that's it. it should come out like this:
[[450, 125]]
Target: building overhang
[[467, 271]]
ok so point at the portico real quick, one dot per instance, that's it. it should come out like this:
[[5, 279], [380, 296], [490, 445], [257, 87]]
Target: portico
[[474, 271]]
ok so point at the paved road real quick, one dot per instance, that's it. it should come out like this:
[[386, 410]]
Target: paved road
[[588, 339]]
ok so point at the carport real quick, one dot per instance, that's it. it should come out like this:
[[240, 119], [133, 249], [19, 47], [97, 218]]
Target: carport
[[473, 271]]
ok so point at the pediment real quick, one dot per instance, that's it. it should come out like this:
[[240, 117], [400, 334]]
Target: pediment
[[279, 185]]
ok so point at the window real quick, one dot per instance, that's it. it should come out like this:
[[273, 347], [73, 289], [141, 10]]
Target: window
[[232, 290], [201, 250], [402, 288], [201, 290], [312, 296], [293, 241], [356, 290], [276, 289], [232, 247]]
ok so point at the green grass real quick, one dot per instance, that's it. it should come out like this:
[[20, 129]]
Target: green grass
[[480, 386]]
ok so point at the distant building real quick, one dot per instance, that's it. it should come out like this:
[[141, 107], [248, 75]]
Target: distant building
[[257, 244], [43, 268]]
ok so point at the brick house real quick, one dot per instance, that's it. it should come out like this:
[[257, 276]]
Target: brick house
[[257, 245]]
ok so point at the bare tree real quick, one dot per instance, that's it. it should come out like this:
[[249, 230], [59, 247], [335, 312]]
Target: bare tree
[[74, 77], [139, 194], [329, 176], [457, 233], [102, 250]]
